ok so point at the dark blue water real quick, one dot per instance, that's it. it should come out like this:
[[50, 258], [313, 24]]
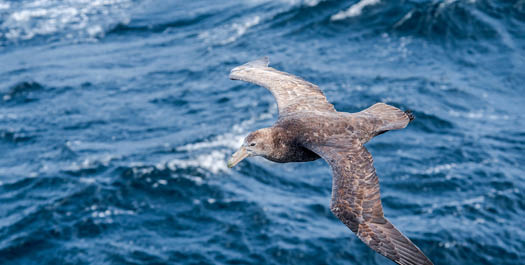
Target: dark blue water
[[117, 117]]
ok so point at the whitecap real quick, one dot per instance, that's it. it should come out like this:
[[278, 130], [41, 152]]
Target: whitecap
[[4, 5], [88, 180], [230, 33], [354, 10], [475, 202], [440, 168], [70, 19], [91, 162], [94, 31], [446, 3], [141, 171], [404, 19], [218, 149], [229, 140], [111, 211], [162, 182], [233, 139], [213, 162], [312, 3], [477, 115]]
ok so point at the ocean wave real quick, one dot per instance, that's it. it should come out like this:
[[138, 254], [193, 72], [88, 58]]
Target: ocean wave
[[223, 35], [75, 19], [220, 147], [431, 123], [311, 3], [454, 20], [450, 21], [14, 135], [128, 27], [89, 166], [478, 115], [354, 10], [92, 173], [22, 91], [4, 5], [213, 162]]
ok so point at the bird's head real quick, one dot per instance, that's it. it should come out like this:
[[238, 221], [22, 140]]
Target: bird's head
[[255, 144]]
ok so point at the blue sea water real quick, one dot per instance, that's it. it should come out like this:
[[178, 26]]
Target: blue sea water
[[117, 118]]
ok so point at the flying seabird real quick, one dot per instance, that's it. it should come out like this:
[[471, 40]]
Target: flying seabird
[[309, 128]]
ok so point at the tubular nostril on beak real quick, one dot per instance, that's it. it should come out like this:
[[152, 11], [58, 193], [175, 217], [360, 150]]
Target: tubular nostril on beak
[[237, 157]]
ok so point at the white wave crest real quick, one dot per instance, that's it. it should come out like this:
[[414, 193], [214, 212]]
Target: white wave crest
[[354, 10], [230, 33], [229, 140], [312, 3], [288, 2], [70, 19], [213, 162], [4, 5], [478, 115], [220, 147]]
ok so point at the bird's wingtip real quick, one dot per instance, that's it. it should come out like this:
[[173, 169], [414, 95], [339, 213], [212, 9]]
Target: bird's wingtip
[[259, 63], [410, 115]]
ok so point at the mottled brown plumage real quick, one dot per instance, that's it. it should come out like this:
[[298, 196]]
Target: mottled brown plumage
[[308, 128]]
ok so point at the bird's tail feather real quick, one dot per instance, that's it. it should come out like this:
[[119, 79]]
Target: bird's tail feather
[[388, 117]]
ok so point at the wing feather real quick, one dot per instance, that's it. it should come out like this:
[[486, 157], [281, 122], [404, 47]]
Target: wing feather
[[293, 94], [382, 117], [356, 202]]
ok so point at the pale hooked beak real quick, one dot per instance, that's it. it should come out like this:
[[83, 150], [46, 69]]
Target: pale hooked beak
[[238, 157]]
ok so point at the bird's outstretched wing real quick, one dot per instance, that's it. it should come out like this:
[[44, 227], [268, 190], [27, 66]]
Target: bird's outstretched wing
[[292, 93], [356, 201]]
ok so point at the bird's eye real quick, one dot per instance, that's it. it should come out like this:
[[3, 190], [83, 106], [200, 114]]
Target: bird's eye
[[252, 144]]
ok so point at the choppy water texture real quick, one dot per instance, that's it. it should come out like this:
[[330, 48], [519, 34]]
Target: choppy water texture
[[117, 116]]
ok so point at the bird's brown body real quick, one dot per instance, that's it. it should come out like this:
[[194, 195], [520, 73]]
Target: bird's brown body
[[309, 128], [292, 131]]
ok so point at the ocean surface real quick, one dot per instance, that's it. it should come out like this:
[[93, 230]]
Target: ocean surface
[[117, 118]]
